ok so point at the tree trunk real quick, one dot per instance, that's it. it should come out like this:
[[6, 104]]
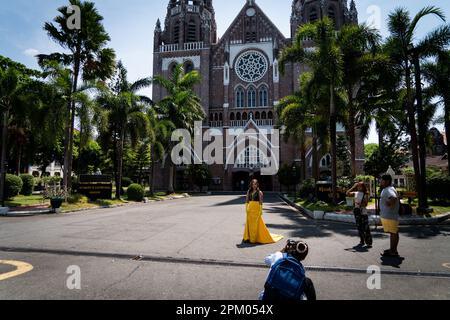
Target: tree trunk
[[152, 172], [412, 129], [72, 121], [171, 189], [120, 165], [19, 159], [315, 157], [302, 157], [352, 136], [447, 128], [3, 157], [333, 144], [423, 197]]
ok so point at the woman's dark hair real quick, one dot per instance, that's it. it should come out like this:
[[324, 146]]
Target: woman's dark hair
[[250, 187], [298, 249]]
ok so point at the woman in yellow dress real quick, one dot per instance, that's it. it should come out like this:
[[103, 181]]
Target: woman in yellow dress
[[255, 228]]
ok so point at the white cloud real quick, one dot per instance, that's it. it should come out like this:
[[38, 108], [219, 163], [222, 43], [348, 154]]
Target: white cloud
[[31, 52]]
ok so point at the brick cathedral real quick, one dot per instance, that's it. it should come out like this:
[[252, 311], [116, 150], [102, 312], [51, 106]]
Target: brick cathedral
[[241, 84]]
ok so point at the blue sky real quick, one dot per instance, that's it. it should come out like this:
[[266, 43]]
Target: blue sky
[[131, 24]]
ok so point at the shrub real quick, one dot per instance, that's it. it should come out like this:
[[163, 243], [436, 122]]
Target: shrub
[[13, 186], [135, 192], [126, 182], [307, 189], [439, 187], [77, 198], [27, 184]]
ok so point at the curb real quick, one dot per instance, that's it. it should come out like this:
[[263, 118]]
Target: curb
[[373, 220], [50, 211]]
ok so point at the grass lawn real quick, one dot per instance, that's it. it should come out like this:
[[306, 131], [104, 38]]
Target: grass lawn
[[320, 206], [37, 200], [25, 201]]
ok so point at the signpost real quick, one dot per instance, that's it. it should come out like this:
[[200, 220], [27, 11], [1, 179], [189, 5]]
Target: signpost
[[95, 186]]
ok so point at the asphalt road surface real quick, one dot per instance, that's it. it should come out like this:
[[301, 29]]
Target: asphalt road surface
[[191, 249]]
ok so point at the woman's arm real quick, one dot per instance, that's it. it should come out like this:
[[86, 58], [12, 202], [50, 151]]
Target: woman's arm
[[261, 197]]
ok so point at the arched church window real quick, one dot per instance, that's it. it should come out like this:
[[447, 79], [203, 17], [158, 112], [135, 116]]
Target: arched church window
[[216, 117], [313, 16], [239, 97], [270, 115], [331, 13], [188, 67], [220, 117], [251, 98], [257, 115], [263, 115], [211, 117], [232, 116], [238, 116], [192, 32], [263, 97], [244, 116]]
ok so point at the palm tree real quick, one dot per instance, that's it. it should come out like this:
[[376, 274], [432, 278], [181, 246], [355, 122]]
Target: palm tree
[[181, 106], [159, 136], [358, 44], [325, 59], [126, 117], [408, 54], [438, 76], [302, 111], [87, 57]]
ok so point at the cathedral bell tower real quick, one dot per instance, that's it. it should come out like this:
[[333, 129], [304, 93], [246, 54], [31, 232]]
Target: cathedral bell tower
[[189, 21], [304, 11]]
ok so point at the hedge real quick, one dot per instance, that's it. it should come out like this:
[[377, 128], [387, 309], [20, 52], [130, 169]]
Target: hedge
[[28, 184], [136, 193], [13, 186]]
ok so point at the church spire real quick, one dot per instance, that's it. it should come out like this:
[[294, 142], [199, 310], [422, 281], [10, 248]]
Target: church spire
[[353, 13]]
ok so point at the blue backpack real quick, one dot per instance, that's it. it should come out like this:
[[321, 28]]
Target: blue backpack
[[286, 281]]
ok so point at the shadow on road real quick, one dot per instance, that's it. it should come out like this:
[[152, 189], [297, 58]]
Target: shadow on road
[[394, 262]]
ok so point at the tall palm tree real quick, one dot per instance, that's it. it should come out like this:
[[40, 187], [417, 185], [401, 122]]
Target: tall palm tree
[[438, 75], [408, 53], [87, 56], [325, 59], [126, 117], [159, 136], [181, 106], [358, 44]]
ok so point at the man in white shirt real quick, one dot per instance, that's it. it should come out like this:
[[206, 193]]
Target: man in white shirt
[[389, 207]]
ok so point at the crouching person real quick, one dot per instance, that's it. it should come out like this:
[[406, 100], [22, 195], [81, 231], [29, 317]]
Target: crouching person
[[287, 280]]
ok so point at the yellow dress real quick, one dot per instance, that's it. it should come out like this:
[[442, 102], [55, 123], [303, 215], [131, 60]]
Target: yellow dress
[[255, 228]]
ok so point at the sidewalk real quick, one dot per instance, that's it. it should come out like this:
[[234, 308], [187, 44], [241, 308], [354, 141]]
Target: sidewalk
[[348, 217]]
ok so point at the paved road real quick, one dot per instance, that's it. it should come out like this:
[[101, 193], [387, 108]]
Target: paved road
[[191, 250]]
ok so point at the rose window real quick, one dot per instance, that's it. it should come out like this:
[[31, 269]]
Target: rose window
[[251, 66]]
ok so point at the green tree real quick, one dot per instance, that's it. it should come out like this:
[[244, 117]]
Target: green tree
[[181, 106], [438, 75], [325, 60], [86, 54], [408, 52], [358, 44], [126, 118], [343, 156]]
